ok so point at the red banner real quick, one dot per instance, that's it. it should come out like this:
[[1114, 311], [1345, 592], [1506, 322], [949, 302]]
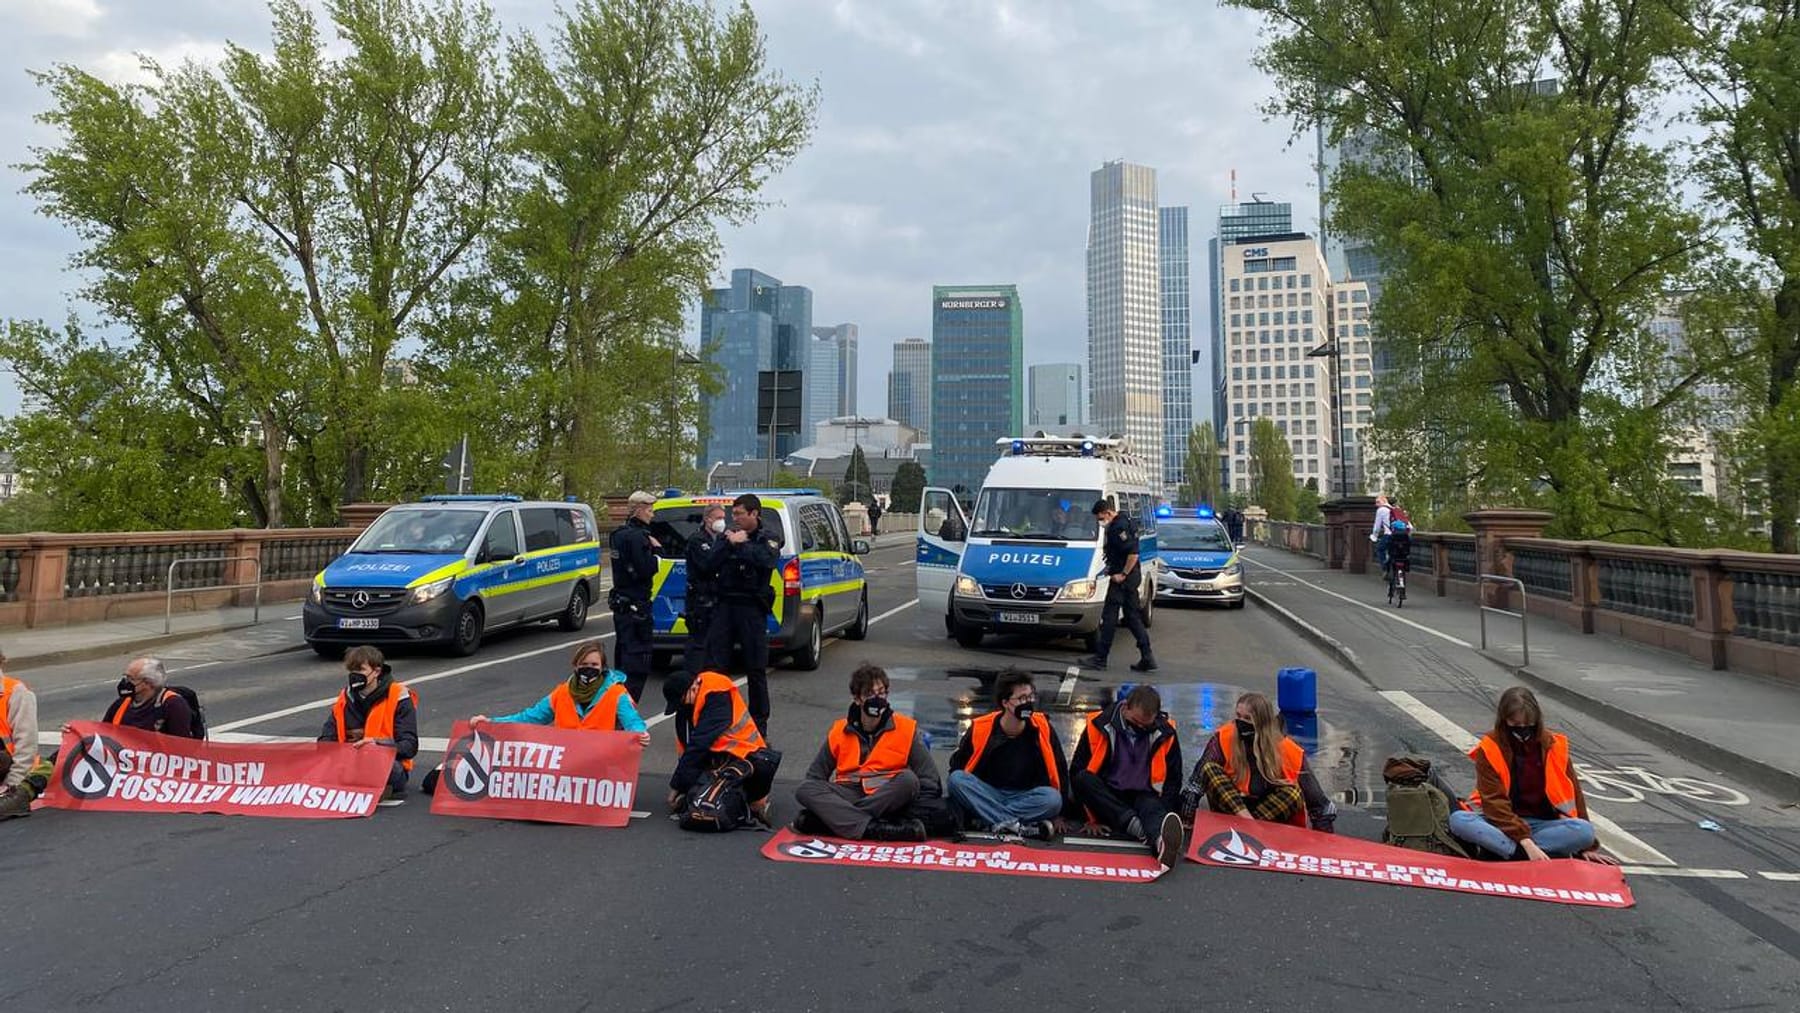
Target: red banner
[[112, 768], [534, 772], [943, 856], [1239, 843]]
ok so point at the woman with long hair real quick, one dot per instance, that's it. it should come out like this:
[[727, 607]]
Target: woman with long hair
[[1251, 767], [1528, 793]]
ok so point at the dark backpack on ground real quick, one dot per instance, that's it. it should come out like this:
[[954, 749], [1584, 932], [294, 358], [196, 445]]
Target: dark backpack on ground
[[1418, 814], [717, 804]]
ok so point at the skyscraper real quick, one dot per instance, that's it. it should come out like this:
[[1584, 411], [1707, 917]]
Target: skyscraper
[[843, 338], [1124, 308], [1177, 343], [978, 379], [1257, 218], [757, 332], [1057, 398], [909, 385]]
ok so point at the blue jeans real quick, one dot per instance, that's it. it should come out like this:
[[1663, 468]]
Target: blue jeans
[[1559, 838], [990, 805]]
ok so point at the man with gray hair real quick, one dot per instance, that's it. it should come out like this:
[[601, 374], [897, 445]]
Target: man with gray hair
[[145, 701]]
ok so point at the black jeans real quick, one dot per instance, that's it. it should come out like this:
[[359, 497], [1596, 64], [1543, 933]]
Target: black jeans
[[1122, 598], [743, 624], [1114, 808], [634, 647]]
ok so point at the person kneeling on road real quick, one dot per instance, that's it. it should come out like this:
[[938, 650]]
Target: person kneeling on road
[[714, 732], [1252, 768], [1121, 772], [1008, 774], [1527, 791], [872, 769], [22, 775], [376, 710]]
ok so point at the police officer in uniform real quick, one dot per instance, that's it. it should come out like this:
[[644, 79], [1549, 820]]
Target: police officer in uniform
[[705, 551], [1124, 579], [633, 554], [745, 601]]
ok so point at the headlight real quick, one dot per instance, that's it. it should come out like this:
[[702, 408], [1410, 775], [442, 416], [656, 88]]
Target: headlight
[[1077, 590], [1234, 570], [967, 586], [315, 593], [425, 592]]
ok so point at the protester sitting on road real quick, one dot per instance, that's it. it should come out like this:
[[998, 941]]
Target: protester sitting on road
[[592, 698], [1529, 796], [1121, 773], [146, 702], [1008, 774], [22, 774], [714, 730], [1252, 768], [872, 769], [374, 709]]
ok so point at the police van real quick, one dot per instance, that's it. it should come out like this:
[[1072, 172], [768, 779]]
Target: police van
[[1028, 558], [818, 585], [1198, 560], [448, 569]]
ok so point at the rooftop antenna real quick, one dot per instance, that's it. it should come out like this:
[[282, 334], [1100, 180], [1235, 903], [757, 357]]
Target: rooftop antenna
[[1234, 186]]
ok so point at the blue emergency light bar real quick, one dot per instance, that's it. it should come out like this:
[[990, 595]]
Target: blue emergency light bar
[[1204, 513], [1165, 511], [498, 497]]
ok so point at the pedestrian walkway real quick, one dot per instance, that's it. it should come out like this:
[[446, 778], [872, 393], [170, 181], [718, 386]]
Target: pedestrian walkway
[[54, 645], [1727, 720]]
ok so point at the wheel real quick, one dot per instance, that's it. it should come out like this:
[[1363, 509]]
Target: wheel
[[325, 650], [467, 637], [807, 658], [968, 636], [1149, 611], [859, 629], [574, 615]]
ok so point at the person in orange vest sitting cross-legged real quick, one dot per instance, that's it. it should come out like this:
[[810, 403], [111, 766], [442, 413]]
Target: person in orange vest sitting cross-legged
[[1528, 795], [872, 769], [1251, 768], [374, 709], [1126, 772], [1008, 774], [714, 732]]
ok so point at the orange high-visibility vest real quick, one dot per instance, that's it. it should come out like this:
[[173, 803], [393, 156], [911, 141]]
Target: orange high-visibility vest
[[887, 756], [603, 716], [117, 716], [742, 738], [1558, 788], [8, 685], [1293, 758], [380, 722], [1099, 739], [981, 731]]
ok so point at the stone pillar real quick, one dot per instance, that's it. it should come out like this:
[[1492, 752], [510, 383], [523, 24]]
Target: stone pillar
[[1350, 519], [43, 570], [245, 568], [1493, 526], [1712, 610]]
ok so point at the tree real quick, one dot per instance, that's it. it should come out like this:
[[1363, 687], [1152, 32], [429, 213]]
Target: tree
[[1271, 470], [908, 490], [1745, 67], [1202, 485], [858, 485], [1525, 227], [1307, 502]]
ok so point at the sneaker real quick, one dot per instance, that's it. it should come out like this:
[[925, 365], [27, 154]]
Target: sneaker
[[895, 830], [1169, 841], [1094, 662], [389, 799], [15, 803], [759, 811], [1145, 664], [809, 824], [1008, 828], [1041, 830]]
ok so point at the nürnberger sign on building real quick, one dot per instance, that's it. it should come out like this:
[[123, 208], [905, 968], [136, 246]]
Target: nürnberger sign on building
[[972, 304]]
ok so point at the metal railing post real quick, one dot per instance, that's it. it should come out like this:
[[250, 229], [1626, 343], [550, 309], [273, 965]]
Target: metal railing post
[[1524, 608], [169, 587]]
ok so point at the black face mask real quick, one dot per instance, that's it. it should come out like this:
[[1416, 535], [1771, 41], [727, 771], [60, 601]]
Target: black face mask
[[126, 688], [1525, 734], [358, 681], [876, 706], [1245, 729], [587, 675], [1024, 711]]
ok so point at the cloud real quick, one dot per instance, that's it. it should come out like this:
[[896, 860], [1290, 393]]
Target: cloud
[[75, 18]]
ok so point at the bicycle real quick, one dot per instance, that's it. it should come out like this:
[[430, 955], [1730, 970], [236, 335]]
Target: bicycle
[[1396, 583]]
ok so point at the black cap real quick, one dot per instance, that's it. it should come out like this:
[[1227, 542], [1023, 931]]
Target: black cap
[[1102, 505], [675, 686]]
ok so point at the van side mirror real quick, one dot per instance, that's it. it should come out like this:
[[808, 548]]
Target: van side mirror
[[860, 546]]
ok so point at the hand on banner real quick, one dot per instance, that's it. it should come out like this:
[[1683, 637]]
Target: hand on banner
[[643, 739], [477, 720], [1532, 851], [1598, 857]]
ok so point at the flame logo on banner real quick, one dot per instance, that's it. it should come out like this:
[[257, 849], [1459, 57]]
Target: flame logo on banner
[[1233, 849], [91, 771], [466, 767], [813, 849]]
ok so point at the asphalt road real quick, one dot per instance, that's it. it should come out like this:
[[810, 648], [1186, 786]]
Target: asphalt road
[[409, 911]]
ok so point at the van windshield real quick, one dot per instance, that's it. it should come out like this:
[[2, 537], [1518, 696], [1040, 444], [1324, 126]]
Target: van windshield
[[424, 531], [1050, 514], [674, 526], [1192, 538]]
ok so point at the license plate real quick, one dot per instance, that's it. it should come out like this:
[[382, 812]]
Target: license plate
[[1027, 618], [359, 624]]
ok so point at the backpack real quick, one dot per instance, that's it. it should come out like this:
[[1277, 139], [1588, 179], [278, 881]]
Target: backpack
[[193, 702], [717, 804], [1418, 817]]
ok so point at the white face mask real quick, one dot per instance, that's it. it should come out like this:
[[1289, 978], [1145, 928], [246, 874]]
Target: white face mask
[[718, 526]]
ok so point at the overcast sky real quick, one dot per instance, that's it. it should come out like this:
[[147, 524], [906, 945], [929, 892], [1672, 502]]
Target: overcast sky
[[954, 143]]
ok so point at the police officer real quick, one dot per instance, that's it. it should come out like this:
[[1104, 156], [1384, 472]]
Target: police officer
[[1124, 580], [705, 551], [633, 554], [745, 601]]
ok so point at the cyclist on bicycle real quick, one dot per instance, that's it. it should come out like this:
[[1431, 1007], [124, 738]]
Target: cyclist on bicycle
[[1399, 553]]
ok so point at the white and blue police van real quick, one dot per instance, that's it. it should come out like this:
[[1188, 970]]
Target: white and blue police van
[[1197, 560], [1027, 558]]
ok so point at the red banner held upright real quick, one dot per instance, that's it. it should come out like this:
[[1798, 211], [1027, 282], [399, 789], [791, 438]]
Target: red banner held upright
[[1236, 842], [515, 771], [112, 768], [945, 856]]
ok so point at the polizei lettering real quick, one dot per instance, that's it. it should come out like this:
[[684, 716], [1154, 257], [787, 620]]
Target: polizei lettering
[[1025, 558]]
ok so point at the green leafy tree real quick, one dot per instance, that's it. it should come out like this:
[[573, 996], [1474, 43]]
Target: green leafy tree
[[1202, 467], [908, 489], [1307, 503], [858, 485], [1271, 470]]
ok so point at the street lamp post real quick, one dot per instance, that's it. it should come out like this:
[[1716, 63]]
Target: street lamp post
[[1332, 349], [682, 357]]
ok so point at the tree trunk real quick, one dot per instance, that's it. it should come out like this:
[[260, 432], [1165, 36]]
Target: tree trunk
[[356, 470], [274, 464]]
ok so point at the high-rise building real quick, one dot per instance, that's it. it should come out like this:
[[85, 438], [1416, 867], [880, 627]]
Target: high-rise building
[[1057, 397], [1256, 218], [977, 379], [843, 338], [1124, 308], [909, 385], [757, 331], [824, 379], [1177, 343]]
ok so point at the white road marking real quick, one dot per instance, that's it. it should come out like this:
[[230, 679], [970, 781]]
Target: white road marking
[[908, 562], [203, 664], [1627, 846], [1378, 610], [896, 610], [1781, 877], [1644, 870], [1067, 692]]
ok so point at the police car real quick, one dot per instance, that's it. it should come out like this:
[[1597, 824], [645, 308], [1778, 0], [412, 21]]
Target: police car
[[1198, 561], [448, 569], [1029, 558], [819, 585]]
